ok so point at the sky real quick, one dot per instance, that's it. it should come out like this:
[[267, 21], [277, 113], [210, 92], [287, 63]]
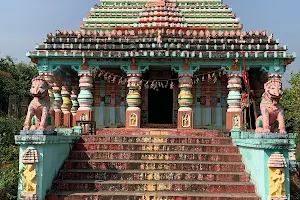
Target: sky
[[26, 23]]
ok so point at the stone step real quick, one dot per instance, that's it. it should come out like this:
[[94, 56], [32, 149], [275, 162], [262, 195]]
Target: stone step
[[154, 164], [163, 132], [153, 175], [150, 155], [151, 186], [108, 195], [157, 147], [155, 139]]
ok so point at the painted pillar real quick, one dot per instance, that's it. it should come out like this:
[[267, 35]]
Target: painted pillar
[[85, 97], [133, 112], [57, 102], [49, 77], [97, 100], [234, 111], [102, 103], [185, 100], [75, 105], [198, 104], [112, 109], [208, 110], [219, 104], [67, 104], [123, 105]]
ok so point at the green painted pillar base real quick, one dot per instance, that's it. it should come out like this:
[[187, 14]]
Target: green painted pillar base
[[46, 153], [256, 150]]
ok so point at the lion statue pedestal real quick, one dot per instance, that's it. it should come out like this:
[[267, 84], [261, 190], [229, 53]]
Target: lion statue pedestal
[[271, 109]]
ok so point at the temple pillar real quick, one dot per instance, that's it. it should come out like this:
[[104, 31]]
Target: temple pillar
[[49, 77], [57, 102], [75, 105], [67, 104], [85, 98], [185, 100], [234, 116], [133, 112]]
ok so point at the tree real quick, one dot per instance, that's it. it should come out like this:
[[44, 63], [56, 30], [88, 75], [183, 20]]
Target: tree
[[15, 79], [290, 102]]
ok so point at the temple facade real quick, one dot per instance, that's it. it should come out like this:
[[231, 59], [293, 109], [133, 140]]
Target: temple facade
[[175, 63]]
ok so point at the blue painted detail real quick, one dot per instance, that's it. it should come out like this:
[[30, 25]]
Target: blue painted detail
[[107, 99], [37, 132], [52, 152], [112, 116], [118, 99], [219, 120], [256, 150]]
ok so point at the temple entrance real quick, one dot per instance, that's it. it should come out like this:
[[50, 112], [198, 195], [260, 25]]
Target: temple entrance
[[160, 106]]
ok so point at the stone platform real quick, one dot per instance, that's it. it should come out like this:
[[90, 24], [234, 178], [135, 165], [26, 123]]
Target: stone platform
[[148, 164]]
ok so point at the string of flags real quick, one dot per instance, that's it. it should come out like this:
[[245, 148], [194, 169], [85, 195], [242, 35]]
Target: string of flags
[[110, 77]]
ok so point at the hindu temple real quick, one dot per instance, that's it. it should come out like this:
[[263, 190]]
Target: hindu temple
[[157, 99]]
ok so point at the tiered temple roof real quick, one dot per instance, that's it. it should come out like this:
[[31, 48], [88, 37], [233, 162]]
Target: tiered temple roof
[[182, 28], [205, 14]]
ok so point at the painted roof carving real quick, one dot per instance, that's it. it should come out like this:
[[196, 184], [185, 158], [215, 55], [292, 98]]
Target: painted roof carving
[[149, 28], [118, 14]]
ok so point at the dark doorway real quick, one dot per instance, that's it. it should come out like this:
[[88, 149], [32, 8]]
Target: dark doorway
[[160, 106]]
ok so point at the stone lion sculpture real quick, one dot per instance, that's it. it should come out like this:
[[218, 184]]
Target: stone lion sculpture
[[38, 114], [271, 109]]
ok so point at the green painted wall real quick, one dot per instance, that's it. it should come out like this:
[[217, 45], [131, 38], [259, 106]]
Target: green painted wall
[[256, 150], [52, 151]]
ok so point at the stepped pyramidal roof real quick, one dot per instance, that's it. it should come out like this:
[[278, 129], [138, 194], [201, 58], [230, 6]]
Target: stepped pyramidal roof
[[196, 14], [161, 28]]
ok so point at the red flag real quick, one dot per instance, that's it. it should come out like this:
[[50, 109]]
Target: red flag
[[245, 74]]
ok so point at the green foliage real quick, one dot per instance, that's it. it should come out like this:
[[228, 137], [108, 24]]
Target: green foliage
[[290, 102], [15, 78], [9, 176], [9, 152]]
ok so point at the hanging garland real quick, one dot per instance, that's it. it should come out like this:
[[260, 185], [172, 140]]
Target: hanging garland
[[156, 84]]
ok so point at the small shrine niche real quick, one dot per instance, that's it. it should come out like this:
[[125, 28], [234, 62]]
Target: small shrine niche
[[133, 119], [236, 121], [186, 121], [83, 117]]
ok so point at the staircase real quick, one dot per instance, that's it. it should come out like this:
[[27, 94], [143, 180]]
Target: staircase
[[118, 164]]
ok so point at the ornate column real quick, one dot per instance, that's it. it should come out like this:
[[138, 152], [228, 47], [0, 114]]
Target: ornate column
[[75, 105], [85, 97], [67, 104], [133, 112], [185, 100], [57, 101], [49, 77], [234, 112]]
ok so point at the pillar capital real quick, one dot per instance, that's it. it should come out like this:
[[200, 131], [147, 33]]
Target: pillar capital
[[185, 81]]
